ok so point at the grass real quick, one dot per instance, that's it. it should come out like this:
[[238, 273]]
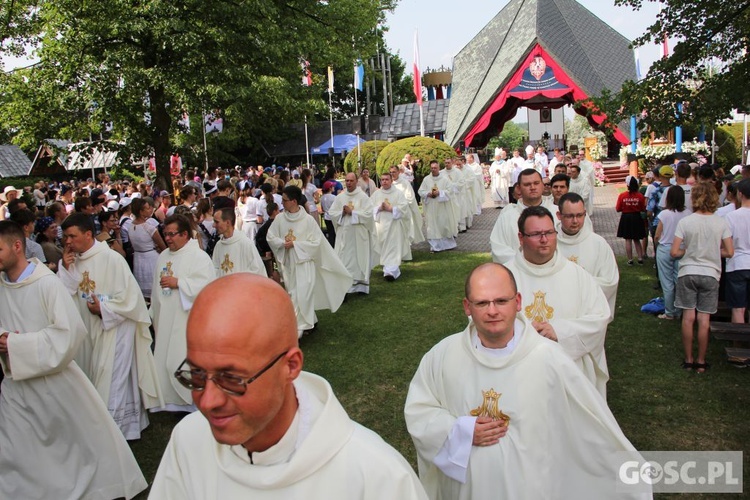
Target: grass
[[370, 349]]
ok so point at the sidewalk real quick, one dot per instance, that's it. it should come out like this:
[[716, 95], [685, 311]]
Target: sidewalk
[[605, 219]]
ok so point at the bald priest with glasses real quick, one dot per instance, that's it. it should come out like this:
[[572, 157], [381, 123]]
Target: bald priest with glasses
[[562, 300], [265, 429]]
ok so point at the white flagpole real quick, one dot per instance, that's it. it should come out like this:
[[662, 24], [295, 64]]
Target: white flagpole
[[205, 148], [307, 145], [418, 82], [356, 113], [330, 110]]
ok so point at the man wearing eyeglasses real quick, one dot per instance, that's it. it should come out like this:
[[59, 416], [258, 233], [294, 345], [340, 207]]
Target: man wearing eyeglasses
[[577, 242], [266, 429], [504, 237], [560, 299], [181, 273], [497, 411]]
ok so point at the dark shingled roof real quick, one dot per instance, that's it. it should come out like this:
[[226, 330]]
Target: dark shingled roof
[[592, 53], [13, 161], [405, 119]]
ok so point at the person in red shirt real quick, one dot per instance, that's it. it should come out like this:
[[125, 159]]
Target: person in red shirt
[[631, 203]]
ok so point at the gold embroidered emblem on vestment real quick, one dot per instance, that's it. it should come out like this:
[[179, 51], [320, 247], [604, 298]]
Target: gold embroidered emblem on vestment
[[573, 259], [489, 407], [539, 311], [87, 285], [290, 236], [227, 265], [168, 270]]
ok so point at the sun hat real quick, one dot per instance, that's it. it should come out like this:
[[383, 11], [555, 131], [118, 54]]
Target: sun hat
[[8, 189]]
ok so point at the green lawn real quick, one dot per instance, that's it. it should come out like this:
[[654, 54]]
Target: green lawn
[[370, 349]]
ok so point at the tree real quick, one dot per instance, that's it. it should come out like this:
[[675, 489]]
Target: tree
[[424, 149], [137, 66], [510, 138], [703, 79]]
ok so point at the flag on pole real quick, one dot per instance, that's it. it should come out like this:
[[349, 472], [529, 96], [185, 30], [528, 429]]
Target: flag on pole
[[359, 75], [637, 65], [330, 79], [306, 76], [665, 46], [417, 75]]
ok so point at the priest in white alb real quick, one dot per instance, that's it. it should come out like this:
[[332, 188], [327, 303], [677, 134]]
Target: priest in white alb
[[57, 439], [461, 195], [265, 429], [498, 411], [472, 165], [562, 301], [391, 227], [439, 210], [500, 179], [234, 252], [352, 216], [314, 276], [182, 270], [415, 216], [579, 183], [116, 354], [577, 242], [504, 237]]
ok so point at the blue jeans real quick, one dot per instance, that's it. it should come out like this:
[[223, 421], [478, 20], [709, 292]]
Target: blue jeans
[[668, 268]]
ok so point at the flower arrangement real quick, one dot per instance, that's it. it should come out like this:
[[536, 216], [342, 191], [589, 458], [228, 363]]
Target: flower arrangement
[[596, 152], [486, 175], [599, 177], [662, 151]]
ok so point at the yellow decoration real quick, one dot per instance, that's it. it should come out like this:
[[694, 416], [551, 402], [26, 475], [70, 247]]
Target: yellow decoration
[[489, 407], [573, 259], [227, 265], [539, 311], [87, 285], [290, 236], [168, 271]]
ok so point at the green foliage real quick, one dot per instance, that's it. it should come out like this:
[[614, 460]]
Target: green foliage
[[510, 138], [369, 152], [736, 130], [139, 66], [728, 154], [706, 32], [424, 149], [119, 173]]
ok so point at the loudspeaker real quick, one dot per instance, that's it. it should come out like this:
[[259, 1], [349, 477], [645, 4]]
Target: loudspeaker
[[462, 146], [330, 152], [358, 125]]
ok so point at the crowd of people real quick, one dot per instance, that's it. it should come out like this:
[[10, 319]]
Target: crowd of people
[[145, 310], [699, 224]]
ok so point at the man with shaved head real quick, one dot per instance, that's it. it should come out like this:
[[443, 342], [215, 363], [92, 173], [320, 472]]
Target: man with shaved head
[[499, 411], [267, 429]]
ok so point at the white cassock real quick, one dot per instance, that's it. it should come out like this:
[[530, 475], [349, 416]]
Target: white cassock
[[323, 455], [478, 186], [392, 230], [562, 439], [415, 216], [504, 238], [593, 253], [246, 219], [355, 237], [568, 298], [541, 162], [237, 254], [582, 186], [58, 441], [116, 353], [587, 170], [193, 269], [439, 212], [314, 276], [462, 205], [500, 182]]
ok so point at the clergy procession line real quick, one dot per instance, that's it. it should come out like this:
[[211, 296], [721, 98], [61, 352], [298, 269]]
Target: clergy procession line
[[538, 318]]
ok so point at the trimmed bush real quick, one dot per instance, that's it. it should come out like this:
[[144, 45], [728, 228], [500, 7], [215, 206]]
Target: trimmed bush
[[422, 148], [370, 151]]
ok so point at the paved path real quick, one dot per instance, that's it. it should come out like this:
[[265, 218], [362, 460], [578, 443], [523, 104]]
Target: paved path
[[605, 219]]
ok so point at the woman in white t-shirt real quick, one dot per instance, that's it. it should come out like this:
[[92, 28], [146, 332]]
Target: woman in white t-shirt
[[668, 266], [706, 239], [310, 190]]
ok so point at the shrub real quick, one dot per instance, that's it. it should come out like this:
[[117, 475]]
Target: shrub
[[369, 151], [423, 148]]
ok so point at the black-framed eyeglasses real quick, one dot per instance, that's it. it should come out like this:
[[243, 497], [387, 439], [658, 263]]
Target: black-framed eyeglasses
[[538, 235], [172, 234], [196, 380]]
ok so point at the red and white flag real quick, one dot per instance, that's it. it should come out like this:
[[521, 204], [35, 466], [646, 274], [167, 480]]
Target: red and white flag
[[665, 46], [306, 77], [417, 74]]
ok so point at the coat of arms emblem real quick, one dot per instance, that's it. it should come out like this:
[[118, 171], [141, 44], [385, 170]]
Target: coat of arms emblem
[[537, 67]]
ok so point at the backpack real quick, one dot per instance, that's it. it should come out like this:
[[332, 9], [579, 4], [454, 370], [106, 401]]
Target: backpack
[[212, 239]]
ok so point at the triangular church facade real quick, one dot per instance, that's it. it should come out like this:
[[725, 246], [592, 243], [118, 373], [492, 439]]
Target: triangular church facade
[[538, 54]]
